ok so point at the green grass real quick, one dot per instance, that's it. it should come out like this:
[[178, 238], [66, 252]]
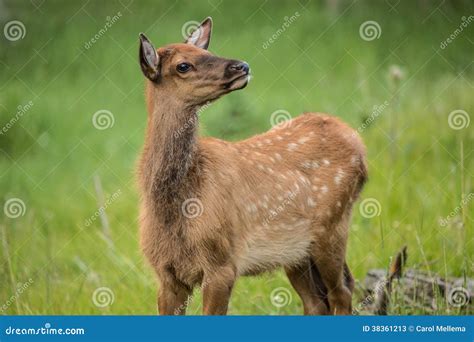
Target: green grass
[[50, 156]]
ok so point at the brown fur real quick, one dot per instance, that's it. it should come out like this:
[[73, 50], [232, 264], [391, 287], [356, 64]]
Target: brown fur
[[279, 199]]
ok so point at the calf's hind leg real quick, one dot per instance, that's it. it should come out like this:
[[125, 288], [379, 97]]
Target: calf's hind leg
[[307, 282], [329, 256]]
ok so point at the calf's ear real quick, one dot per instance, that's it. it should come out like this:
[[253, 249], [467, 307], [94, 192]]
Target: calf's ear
[[201, 36], [148, 58]]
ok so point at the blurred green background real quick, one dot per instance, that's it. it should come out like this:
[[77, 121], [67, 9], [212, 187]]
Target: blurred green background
[[60, 168]]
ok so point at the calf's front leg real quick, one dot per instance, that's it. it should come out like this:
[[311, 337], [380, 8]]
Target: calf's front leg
[[173, 296], [216, 289]]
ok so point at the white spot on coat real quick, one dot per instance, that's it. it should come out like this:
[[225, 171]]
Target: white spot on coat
[[339, 176], [302, 140], [292, 146]]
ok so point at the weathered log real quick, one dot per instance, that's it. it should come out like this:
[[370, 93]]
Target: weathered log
[[417, 289], [378, 299]]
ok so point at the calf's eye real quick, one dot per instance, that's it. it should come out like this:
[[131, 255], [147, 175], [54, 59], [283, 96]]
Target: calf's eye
[[183, 67]]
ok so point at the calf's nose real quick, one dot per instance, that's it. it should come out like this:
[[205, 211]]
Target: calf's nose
[[240, 66]]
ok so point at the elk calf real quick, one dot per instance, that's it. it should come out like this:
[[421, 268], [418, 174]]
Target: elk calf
[[213, 210]]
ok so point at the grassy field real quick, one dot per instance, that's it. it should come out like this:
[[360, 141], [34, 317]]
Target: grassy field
[[410, 96]]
